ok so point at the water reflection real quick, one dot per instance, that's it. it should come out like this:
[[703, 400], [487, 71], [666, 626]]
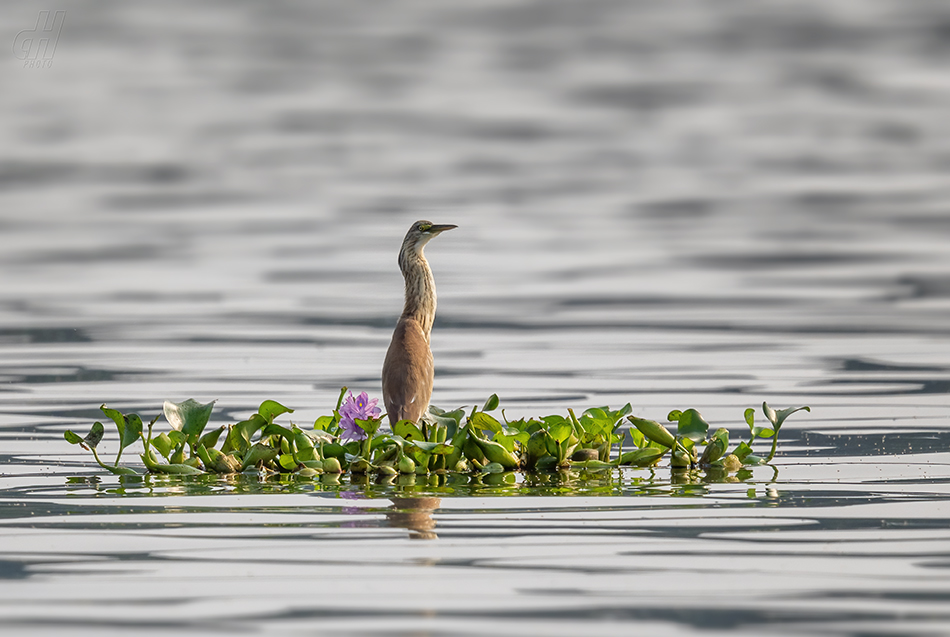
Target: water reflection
[[424, 489], [414, 514]]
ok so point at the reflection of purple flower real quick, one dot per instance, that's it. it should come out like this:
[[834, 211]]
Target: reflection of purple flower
[[353, 409]]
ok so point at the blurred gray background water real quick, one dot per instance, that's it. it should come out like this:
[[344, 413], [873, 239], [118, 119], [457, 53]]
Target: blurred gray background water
[[207, 198], [671, 204]]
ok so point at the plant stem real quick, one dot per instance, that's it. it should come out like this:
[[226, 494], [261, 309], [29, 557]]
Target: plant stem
[[96, 456], [774, 447]]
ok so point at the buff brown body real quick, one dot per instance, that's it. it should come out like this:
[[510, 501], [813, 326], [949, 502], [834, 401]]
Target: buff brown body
[[408, 370]]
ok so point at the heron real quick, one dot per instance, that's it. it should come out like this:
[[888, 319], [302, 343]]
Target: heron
[[408, 370]]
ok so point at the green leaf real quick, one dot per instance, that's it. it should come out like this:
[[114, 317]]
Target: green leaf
[[692, 426], [742, 451], [491, 404], [239, 437], [643, 457], [638, 439], [758, 431], [777, 418], [761, 431], [507, 439], [270, 409], [408, 430], [287, 461], [370, 426], [277, 430], [130, 427], [132, 431], [334, 450], [561, 431], [188, 417], [508, 442], [72, 438], [715, 447], [163, 444], [674, 415], [752, 460], [121, 471], [438, 448], [210, 438], [653, 430], [258, 454], [94, 437], [483, 421], [447, 422], [114, 414], [323, 422]]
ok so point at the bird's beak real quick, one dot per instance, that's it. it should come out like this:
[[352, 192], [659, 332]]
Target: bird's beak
[[437, 228]]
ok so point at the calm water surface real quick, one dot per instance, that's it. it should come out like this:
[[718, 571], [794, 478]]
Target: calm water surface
[[668, 204]]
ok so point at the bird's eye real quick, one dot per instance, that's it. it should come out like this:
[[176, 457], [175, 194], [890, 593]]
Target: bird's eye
[[425, 227]]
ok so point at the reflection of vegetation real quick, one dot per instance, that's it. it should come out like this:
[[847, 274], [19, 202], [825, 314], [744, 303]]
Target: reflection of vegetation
[[622, 481], [554, 453]]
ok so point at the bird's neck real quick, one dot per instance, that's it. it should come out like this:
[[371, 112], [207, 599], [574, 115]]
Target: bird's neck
[[420, 291]]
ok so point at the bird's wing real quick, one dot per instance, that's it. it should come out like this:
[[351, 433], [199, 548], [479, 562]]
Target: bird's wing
[[407, 373]]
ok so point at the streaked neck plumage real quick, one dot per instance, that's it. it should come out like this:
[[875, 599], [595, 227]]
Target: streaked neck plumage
[[420, 287]]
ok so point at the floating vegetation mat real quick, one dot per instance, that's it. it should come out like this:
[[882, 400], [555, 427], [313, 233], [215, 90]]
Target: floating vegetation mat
[[446, 443]]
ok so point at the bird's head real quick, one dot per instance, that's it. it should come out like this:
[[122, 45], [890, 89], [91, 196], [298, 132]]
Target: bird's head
[[421, 232]]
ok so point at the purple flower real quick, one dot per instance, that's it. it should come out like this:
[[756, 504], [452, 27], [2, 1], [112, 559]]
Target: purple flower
[[353, 409]]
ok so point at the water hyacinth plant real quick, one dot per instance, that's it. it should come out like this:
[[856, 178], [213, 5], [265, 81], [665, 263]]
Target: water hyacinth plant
[[352, 440], [354, 409]]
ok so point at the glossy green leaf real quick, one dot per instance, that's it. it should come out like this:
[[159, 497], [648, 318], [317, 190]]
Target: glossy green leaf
[[447, 424], [752, 460], [323, 422], [508, 438], [642, 457], [188, 417], [757, 431], [163, 444], [121, 471], [277, 430], [270, 409], [561, 431], [210, 438], [715, 447], [742, 451], [408, 430], [674, 415], [72, 438], [491, 404], [653, 430], [287, 461], [130, 427], [258, 454], [638, 439], [692, 426], [334, 450], [239, 437], [483, 421], [777, 418], [177, 469], [439, 448], [94, 437]]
